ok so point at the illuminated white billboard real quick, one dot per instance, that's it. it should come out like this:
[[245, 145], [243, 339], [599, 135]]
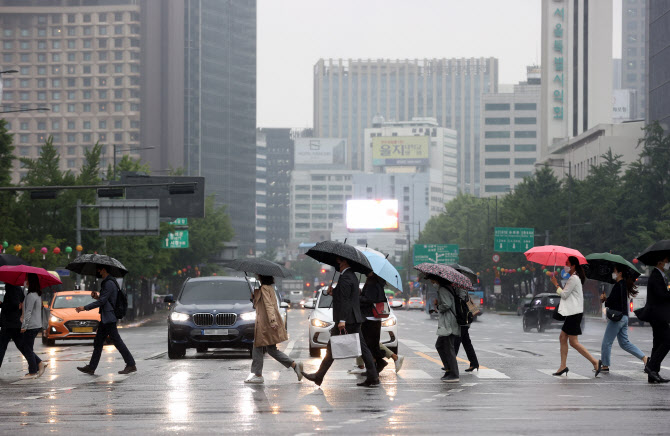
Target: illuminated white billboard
[[372, 215]]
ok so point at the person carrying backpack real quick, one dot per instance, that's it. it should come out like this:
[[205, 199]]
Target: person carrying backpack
[[111, 304]]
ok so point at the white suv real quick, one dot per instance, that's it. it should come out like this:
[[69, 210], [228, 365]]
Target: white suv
[[321, 321]]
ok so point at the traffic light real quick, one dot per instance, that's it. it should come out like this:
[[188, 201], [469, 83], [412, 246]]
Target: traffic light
[[323, 270]]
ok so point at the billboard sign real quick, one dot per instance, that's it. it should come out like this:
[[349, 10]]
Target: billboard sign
[[176, 239], [400, 150], [621, 99], [372, 215], [435, 253], [320, 151], [128, 217], [171, 205]]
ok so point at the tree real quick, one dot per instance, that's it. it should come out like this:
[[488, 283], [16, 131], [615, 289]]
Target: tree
[[6, 154]]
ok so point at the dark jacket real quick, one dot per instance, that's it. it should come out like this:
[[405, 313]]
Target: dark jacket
[[10, 317], [108, 292], [658, 298], [618, 298], [373, 292], [346, 300]]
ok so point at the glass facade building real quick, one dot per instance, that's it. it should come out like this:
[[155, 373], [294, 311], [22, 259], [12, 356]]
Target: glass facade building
[[658, 66]]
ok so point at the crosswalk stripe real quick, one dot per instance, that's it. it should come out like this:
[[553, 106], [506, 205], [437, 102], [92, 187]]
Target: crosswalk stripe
[[490, 374], [417, 346], [630, 373], [571, 375], [414, 374]]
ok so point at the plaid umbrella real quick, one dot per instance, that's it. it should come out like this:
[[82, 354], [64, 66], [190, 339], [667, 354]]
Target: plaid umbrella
[[328, 251], [655, 252], [10, 259], [601, 266], [259, 266], [447, 273], [86, 265]]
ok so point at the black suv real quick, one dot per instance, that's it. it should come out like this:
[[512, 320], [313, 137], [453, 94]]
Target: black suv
[[211, 312], [539, 313]]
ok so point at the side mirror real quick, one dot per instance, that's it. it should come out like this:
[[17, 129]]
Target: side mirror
[[309, 305], [395, 304], [527, 305], [325, 291], [283, 305], [168, 299]]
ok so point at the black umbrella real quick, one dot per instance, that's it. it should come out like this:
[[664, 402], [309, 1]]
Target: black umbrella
[[467, 272], [86, 265], [655, 252], [259, 266], [10, 259], [328, 251]]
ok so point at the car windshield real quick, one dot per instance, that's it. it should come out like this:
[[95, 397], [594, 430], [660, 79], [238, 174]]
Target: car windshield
[[553, 301], [214, 290], [642, 281], [325, 301], [72, 301]]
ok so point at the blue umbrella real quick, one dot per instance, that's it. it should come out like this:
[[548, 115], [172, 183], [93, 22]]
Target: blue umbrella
[[382, 267]]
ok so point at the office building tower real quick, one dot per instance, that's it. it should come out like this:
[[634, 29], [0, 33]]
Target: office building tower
[[633, 54], [658, 63], [261, 192], [348, 94], [576, 91]]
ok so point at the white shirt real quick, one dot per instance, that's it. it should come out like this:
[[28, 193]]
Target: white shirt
[[572, 297]]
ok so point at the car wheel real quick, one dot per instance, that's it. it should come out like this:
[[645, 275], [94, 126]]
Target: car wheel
[[540, 327], [314, 352], [175, 351], [47, 341], [526, 327], [201, 349]]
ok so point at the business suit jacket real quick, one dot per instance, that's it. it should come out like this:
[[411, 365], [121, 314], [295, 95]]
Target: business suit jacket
[[108, 293], [10, 317], [346, 301], [373, 292], [658, 298]]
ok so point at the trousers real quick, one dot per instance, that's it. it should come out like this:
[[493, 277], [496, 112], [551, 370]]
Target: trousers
[[327, 361], [445, 348], [467, 345], [257, 354], [371, 331], [661, 344], [101, 334], [619, 330], [7, 335], [28, 344]]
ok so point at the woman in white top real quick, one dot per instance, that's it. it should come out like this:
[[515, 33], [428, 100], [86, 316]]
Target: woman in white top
[[32, 326], [572, 308]]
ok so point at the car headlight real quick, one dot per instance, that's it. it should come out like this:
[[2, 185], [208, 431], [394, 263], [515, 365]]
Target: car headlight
[[178, 316], [388, 322], [248, 316], [318, 323], [54, 318]]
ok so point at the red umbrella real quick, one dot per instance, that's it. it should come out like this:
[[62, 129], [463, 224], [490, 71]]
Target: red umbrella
[[553, 255], [16, 275]]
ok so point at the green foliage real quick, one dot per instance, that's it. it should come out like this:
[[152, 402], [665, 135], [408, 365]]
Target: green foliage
[[6, 154]]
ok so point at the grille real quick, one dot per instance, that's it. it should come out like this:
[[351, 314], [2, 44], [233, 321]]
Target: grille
[[203, 319], [90, 323], [226, 318]]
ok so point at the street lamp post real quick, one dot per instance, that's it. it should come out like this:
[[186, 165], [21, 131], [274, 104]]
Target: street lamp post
[[129, 149]]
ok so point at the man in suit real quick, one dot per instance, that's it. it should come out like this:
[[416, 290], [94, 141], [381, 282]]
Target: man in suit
[[658, 313], [10, 320], [107, 327], [347, 315]]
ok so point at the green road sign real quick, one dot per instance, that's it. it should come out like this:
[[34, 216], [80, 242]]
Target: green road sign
[[435, 253], [513, 239], [177, 239], [179, 222]]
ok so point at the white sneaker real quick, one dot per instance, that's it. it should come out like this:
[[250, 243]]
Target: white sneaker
[[398, 363], [357, 370], [254, 379], [298, 370], [29, 375]]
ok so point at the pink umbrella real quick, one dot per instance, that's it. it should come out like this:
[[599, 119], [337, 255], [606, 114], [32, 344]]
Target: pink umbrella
[[553, 255], [16, 275]]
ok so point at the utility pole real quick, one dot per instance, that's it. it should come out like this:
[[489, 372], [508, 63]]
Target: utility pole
[[569, 204]]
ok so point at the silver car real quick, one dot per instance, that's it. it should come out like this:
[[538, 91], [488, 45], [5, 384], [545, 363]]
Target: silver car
[[321, 321]]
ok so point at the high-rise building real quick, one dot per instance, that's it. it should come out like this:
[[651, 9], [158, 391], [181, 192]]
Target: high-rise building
[[348, 94], [658, 63], [633, 54], [279, 164], [576, 91], [220, 106], [81, 60], [261, 191], [510, 134]]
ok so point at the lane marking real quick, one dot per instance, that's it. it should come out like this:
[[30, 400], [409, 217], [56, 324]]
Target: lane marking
[[495, 352], [413, 374], [289, 348], [490, 374], [417, 346], [570, 375]]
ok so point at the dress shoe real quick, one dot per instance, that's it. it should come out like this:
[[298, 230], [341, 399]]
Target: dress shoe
[[663, 380], [313, 378], [368, 383], [600, 367], [560, 373], [128, 369], [472, 368], [652, 380], [86, 369], [653, 375]]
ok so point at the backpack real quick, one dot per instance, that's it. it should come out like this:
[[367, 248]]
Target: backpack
[[462, 312], [121, 304]]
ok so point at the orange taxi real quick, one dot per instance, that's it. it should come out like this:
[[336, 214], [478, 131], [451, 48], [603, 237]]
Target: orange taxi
[[62, 320]]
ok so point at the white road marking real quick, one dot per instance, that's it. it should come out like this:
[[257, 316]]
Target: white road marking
[[497, 353], [630, 373], [455, 390], [289, 348], [490, 374], [417, 346], [37, 397], [570, 375], [467, 385], [413, 374]]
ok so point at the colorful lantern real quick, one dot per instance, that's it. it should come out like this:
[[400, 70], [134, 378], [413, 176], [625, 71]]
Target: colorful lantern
[[56, 250], [18, 248], [44, 251], [32, 250], [79, 248], [635, 261], [68, 250]]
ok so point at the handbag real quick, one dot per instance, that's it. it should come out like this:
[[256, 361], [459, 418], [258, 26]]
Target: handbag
[[381, 310], [557, 316], [474, 310], [642, 313], [615, 315], [345, 346]]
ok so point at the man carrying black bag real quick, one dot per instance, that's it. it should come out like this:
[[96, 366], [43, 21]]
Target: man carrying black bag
[[105, 301], [657, 312], [347, 314]]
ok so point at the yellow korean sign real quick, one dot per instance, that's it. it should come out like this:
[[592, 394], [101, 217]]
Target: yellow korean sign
[[400, 150]]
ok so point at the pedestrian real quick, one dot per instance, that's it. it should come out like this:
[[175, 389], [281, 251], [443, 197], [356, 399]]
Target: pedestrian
[[447, 329], [467, 346], [571, 307], [268, 332], [371, 329], [658, 314], [623, 289], [398, 360], [32, 325], [10, 320], [105, 301], [347, 315]]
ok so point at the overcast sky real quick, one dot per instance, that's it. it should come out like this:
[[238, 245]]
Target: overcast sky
[[294, 34]]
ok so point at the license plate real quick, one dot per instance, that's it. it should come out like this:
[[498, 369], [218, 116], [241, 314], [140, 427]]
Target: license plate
[[82, 330], [215, 332]]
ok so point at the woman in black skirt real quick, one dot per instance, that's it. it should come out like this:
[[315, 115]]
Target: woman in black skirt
[[572, 308]]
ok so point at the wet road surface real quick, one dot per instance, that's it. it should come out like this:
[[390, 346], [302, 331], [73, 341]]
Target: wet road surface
[[513, 393]]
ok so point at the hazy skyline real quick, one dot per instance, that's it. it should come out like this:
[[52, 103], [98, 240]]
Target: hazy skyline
[[294, 34]]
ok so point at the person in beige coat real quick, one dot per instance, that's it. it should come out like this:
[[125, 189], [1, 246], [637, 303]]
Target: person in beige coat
[[268, 332]]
